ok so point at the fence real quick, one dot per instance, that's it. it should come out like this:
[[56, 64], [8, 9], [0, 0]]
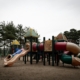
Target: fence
[[5, 51]]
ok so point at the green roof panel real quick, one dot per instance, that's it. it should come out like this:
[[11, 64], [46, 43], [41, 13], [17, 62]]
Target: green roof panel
[[31, 33]]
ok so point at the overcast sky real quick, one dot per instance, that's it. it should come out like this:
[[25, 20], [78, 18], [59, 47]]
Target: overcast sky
[[48, 17]]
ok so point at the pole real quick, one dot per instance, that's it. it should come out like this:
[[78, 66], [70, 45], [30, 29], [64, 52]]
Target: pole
[[53, 50], [31, 51], [4, 47], [10, 46], [20, 37], [44, 52], [79, 41], [24, 57]]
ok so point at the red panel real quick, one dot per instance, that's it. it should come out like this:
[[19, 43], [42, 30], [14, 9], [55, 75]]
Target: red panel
[[41, 47], [60, 46], [34, 47]]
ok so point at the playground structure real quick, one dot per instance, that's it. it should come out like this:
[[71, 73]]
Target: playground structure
[[9, 48], [53, 48], [47, 46], [61, 46], [15, 45], [57, 50]]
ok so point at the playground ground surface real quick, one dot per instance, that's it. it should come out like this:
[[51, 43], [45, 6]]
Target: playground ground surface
[[21, 71]]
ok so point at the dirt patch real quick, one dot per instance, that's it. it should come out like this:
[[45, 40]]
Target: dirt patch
[[21, 71]]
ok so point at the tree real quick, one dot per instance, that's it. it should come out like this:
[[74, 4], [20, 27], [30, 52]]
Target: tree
[[2, 27], [20, 32], [66, 33], [78, 32], [8, 31], [72, 35]]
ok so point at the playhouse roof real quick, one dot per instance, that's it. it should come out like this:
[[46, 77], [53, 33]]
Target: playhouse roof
[[31, 33], [61, 36], [15, 42]]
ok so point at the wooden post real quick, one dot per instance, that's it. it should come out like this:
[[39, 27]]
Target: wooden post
[[31, 51], [25, 59], [43, 51], [57, 59], [25, 55], [53, 50], [37, 52], [49, 57]]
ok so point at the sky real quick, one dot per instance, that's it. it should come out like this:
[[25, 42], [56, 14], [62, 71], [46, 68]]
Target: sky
[[47, 17]]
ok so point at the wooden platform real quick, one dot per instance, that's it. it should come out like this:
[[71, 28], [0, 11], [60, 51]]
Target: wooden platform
[[48, 45]]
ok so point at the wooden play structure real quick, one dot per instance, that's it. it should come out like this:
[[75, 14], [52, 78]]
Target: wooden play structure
[[14, 45], [58, 48], [55, 48], [32, 36]]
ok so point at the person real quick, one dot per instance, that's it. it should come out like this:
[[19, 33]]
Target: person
[[12, 55], [11, 58]]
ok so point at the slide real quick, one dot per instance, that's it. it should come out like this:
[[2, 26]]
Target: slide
[[70, 60], [75, 61], [71, 47], [15, 58], [67, 46]]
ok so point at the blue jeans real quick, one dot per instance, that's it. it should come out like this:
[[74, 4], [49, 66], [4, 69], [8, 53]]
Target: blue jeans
[[17, 52]]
